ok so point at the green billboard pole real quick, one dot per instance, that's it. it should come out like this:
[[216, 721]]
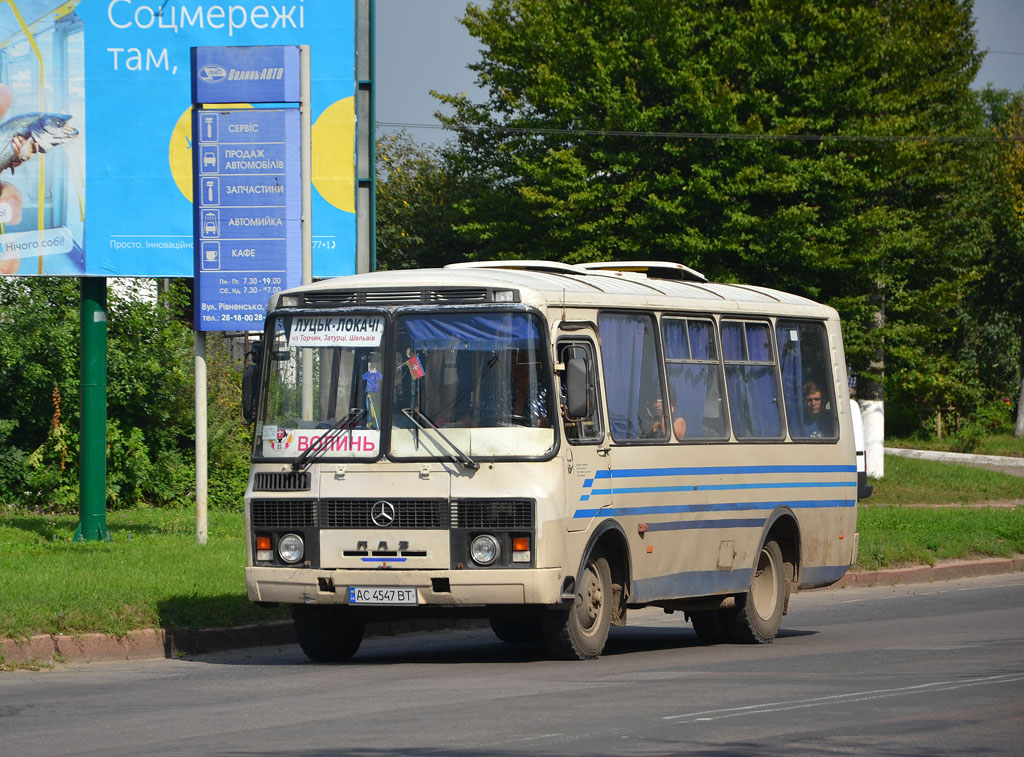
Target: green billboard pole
[[92, 480]]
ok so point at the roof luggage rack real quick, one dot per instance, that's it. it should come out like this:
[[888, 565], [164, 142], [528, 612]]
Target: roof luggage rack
[[538, 266], [653, 269]]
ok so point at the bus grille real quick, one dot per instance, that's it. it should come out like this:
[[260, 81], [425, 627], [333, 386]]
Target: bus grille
[[283, 513], [281, 481], [490, 513], [409, 513]]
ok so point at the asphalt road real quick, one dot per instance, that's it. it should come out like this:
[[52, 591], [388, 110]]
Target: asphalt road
[[925, 669]]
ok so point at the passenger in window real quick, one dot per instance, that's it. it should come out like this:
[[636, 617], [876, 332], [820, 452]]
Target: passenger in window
[[817, 422], [654, 420], [678, 421]]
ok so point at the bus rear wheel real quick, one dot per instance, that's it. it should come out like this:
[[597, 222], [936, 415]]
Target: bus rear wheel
[[758, 613], [327, 634], [580, 632]]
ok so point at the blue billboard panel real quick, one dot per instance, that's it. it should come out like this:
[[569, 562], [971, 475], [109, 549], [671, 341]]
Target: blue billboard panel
[[247, 214], [96, 95]]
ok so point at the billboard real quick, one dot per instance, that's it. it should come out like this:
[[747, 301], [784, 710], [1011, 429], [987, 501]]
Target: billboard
[[96, 129]]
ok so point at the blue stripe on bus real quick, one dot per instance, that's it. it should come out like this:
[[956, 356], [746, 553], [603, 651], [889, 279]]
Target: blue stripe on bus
[[706, 508], [384, 559], [733, 470], [724, 469], [693, 583], [683, 525], [717, 487], [704, 583]]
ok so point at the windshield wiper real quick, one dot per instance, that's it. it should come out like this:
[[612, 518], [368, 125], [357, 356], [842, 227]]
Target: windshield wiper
[[425, 423], [319, 445]]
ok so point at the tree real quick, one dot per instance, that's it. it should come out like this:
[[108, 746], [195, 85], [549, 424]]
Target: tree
[[417, 188], [831, 149], [1005, 112]]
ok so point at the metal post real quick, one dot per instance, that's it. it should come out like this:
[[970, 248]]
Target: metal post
[[306, 155], [306, 164], [92, 479], [201, 434], [366, 179]]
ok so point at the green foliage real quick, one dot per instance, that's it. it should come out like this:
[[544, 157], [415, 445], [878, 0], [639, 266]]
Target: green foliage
[[417, 190], [152, 574], [1004, 444], [901, 536], [909, 481], [150, 401], [825, 148]]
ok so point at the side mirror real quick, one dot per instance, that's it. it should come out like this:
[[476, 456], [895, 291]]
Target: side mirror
[[251, 383], [577, 389]]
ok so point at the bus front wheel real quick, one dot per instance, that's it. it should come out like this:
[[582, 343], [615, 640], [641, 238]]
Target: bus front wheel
[[518, 630], [758, 613], [580, 632], [327, 634]]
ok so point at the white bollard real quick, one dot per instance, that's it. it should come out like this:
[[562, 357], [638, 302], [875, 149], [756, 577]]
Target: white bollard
[[873, 413]]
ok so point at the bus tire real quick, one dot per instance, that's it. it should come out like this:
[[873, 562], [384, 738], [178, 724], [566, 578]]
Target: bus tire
[[580, 632], [758, 613], [518, 630], [327, 634], [709, 626]]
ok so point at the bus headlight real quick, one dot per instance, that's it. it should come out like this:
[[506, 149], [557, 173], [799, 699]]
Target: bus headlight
[[484, 549], [290, 548]]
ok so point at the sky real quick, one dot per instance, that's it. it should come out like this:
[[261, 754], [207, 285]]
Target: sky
[[422, 46]]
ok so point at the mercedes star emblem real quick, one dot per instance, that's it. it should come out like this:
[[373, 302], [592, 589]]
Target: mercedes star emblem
[[382, 513]]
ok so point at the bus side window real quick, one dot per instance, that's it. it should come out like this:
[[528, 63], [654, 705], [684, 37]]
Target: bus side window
[[695, 386], [585, 428], [750, 380], [632, 375], [807, 380]]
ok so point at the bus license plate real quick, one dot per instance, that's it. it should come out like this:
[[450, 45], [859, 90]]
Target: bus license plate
[[381, 595]]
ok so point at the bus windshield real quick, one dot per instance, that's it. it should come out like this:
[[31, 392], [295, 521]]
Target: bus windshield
[[452, 386], [480, 378]]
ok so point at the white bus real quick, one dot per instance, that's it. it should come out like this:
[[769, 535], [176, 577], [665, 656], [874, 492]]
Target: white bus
[[546, 446]]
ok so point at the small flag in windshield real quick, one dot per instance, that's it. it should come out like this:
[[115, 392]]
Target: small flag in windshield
[[414, 367]]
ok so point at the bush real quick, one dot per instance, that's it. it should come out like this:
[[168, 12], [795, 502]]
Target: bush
[[150, 401], [968, 438]]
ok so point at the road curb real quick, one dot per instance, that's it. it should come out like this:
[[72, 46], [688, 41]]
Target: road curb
[[956, 457], [158, 643], [943, 571]]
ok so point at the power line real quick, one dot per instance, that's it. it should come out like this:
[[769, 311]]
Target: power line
[[711, 135]]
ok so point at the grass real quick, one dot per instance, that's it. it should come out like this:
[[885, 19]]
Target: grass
[[909, 481], [1004, 445], [893, 536], [152, 574]]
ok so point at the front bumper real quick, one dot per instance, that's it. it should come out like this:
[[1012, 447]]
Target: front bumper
[[434, 588]]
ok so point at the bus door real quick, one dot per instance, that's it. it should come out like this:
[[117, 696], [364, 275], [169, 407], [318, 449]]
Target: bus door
[[638, 411], [584, 449]]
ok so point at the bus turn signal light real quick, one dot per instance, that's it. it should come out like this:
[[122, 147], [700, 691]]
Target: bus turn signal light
[[520, 549]]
